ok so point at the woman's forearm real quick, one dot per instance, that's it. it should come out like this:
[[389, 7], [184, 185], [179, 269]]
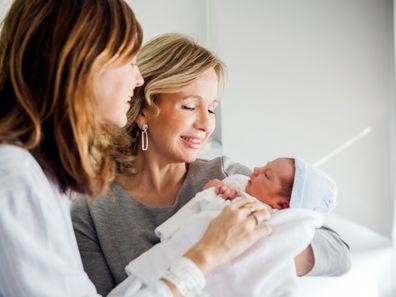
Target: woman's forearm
[[172, 287], [329, 255], [200, 256], [304, 261]]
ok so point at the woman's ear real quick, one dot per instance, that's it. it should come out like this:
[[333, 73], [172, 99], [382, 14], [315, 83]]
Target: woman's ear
[[144, 117]]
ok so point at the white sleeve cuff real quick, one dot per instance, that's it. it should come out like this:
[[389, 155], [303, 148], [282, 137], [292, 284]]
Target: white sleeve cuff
[[186, 276]]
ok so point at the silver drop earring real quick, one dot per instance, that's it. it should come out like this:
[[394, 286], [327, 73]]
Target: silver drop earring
[[144, 137]]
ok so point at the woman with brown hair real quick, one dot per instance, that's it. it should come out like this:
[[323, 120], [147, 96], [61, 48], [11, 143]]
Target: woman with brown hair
[[172, 118], [67, 75]]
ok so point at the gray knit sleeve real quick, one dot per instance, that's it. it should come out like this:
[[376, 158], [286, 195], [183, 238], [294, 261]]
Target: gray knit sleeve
[[331, 253], [229, 167]]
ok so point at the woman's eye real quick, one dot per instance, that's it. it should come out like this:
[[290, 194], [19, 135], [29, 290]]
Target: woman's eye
[[188, 106], [211, 110]]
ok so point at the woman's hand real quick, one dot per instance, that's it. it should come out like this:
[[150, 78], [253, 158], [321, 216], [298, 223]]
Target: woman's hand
[[238, 226]]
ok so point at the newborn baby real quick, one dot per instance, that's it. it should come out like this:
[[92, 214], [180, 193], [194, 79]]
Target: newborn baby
[[283, 183]]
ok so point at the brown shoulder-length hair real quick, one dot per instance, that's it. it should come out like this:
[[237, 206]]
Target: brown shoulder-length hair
[[167, 63], [50, 53]]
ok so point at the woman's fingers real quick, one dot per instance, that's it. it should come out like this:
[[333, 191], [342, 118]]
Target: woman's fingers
[[254, 215], [232, 232], [253, 207], [241, 201], [262, 230], [261, 216]]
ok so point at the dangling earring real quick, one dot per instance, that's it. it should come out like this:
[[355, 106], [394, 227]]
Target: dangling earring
[[144, 137]]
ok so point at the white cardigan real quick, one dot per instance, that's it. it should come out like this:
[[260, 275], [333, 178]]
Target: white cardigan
[[38, 250]]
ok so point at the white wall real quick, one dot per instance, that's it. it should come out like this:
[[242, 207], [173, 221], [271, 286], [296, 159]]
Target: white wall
[[393, 134], [185, 16], [306, 77]]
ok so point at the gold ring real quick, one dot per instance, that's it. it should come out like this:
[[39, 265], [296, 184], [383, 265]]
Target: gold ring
[[259, 220], [252, 209]]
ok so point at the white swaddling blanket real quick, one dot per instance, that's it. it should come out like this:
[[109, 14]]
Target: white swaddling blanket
[[266, 269]]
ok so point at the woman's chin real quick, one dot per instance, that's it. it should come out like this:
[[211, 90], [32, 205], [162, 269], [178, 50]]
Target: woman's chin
[[190, 157]]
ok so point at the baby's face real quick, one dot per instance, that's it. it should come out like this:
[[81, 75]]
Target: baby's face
[[265, 182]]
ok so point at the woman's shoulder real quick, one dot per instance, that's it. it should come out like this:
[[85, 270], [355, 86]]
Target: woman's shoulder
[[17, 165], [111, 202], [24, 185], [13, 155], [219, 167]]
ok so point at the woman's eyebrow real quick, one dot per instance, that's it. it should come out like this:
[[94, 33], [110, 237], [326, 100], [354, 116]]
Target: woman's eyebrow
[[199, 98]]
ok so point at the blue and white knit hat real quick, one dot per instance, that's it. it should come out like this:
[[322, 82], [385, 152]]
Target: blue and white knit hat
[[312, 188]]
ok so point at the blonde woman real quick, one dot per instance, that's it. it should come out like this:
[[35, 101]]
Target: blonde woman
[[67, 74], [171, 120]]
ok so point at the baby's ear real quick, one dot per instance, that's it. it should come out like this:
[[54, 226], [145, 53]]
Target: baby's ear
[[283, 203]]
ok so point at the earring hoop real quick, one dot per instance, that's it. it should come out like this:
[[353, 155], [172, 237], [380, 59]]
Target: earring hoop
[[144, 137]]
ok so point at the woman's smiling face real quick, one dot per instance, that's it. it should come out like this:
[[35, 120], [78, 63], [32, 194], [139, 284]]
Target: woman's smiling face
[[185, 121]]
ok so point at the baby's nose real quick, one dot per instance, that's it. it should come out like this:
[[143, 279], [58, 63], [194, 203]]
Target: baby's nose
[[256, 171]]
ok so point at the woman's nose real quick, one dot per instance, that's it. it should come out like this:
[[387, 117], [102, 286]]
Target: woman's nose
[[205, 122], [139, 81]]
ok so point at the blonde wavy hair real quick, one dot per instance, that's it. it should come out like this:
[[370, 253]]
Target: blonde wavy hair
[[168, 63], [51, 51]]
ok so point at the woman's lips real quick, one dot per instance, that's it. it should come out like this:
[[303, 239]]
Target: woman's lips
[[193, 142]]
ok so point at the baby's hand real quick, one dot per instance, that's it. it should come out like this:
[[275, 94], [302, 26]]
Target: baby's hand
[[227, 192], [213, 183], [223, 190]]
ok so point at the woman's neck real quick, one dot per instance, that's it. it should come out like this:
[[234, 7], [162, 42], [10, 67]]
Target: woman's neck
[[156, 182]]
